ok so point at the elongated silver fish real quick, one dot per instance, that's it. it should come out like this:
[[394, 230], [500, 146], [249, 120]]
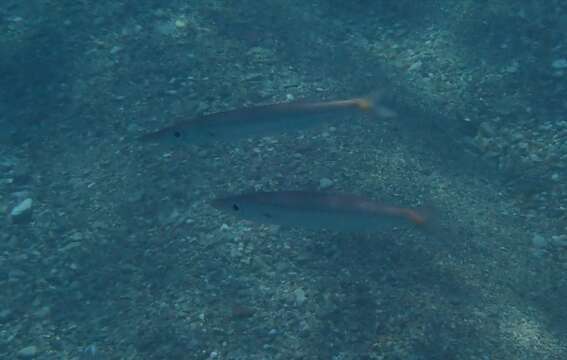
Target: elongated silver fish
[[264, 120], [319, 210]]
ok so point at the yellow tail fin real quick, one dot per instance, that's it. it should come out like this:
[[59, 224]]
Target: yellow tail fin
[[373, 104]]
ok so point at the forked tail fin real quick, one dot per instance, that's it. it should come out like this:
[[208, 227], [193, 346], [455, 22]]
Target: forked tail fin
[[425, 218], [373, 104]]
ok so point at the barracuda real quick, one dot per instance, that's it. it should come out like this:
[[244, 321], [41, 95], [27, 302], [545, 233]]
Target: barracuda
[[319, 210], [264, 120]]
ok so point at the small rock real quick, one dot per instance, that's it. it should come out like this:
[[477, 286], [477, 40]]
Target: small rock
[[115, 49], [325, 183], [180, 23], [559, 240], [253, 77], [22, 212], [559, 64], [415, 66], [77, 236], [512, 68], [28, 352], [539, 241], [299, 296]]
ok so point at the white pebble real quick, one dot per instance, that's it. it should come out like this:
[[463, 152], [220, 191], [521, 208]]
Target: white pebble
[[299, 296], [559, 64], [22, 211], [415, 66], [28, 352], [559, 240], [325, 183], [539, 241]]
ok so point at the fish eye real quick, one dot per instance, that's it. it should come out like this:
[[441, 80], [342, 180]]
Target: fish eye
[[177, 134], [235, 207]]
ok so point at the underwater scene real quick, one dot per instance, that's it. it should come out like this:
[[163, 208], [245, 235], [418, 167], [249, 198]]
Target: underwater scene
[[283, 179]]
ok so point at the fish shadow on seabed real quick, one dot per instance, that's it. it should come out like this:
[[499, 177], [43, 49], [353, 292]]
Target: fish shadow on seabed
[[387, 277]]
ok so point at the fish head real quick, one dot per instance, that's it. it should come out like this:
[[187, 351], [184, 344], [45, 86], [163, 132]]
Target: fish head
[[169, 136], [178, 134], [236, 205], [226, 204], [246, 206]]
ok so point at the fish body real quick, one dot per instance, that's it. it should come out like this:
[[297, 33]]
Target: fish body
[[319, 210], [258, 121]]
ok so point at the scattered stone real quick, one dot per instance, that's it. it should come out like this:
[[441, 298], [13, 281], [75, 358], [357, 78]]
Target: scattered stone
[[180, 23], [513, 67], [559, 240], [325, 183], [299, 296], [253, 76], [22, 212], [115, 49], [415, 66], [28, 352], [559, 64], [539, 241]]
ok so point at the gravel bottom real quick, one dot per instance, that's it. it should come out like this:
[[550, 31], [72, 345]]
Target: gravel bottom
[[125, 258]]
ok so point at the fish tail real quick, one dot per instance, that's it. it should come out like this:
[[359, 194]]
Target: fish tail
[[373, 104], [426, 218], [430, 222]]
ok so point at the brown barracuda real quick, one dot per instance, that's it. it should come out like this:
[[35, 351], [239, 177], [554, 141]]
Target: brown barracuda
[[319, 210], [264, 120]]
